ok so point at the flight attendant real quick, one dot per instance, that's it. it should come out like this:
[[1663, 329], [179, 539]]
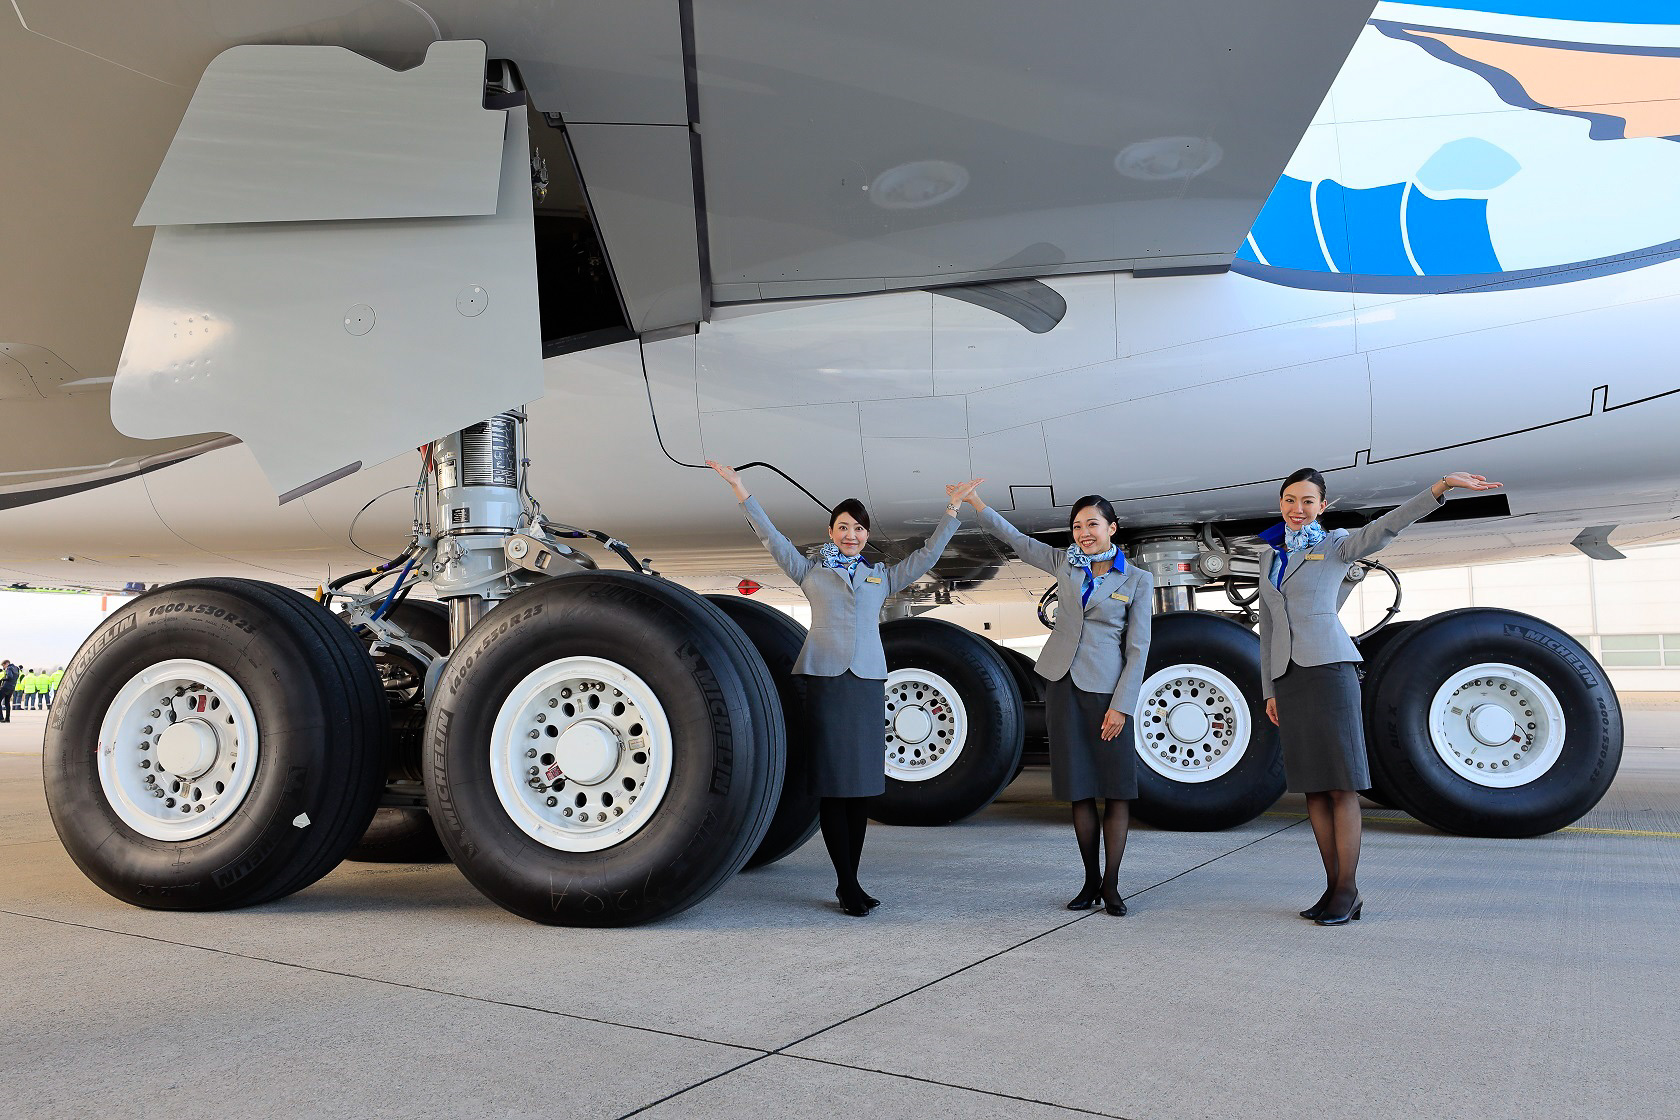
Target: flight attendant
[[1094, 662], [844, 666], [1307, 667]]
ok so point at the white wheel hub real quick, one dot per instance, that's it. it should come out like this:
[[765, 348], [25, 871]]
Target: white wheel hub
[[1496, 725], [178, 750], [188, 748], [1192, 723], [927, 725], [581, 754], [587, 752]]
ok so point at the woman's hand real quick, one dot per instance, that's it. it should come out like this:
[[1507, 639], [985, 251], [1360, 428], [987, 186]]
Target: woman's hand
[[1461, 480], [1113, 723], [1271, 710], [728, 475], [966, 492]]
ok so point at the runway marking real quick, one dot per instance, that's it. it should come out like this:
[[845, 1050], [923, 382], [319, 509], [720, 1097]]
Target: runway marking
[[1566, 828]]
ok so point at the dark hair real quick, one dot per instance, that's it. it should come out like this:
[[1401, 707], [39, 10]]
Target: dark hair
[[1102, 506], [852, 506], [1306, 474]]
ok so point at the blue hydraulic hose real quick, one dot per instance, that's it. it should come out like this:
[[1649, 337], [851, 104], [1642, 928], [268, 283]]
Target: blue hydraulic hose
[[380, 613]]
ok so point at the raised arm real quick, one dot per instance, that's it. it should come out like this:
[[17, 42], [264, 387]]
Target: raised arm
[[1040, 555], [1140, 618], [788, 558], [919, 563], [1376, 536]]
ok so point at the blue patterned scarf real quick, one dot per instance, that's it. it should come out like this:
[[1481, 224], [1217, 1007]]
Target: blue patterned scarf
[[832, 557], [1285, 540], [1078, 559]]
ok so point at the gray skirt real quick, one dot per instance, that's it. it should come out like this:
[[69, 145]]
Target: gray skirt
[[846, 722], [1320, 728], [1081, 764]]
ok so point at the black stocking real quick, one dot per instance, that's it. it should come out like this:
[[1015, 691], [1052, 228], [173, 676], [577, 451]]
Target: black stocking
[[843, 824], [1085, 830], [1117, 816]]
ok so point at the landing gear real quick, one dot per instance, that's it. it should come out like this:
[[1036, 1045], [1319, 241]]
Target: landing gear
[[1210, 757], [1491, 723], [604, 749], [216, 743], [954, 723]]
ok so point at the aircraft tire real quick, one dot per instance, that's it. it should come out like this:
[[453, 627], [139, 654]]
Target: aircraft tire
[[664, 780], [267, 758], [1369, 649], [1208, 757], [1486, 722], [954, 723], [399, 834], [778, 640]]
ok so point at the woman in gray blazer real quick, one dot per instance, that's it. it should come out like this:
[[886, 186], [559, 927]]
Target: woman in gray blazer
[[1307, 668], [1094, 662], [844, 666]]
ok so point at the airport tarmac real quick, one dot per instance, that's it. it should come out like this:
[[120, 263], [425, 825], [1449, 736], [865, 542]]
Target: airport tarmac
[[1488, 979]]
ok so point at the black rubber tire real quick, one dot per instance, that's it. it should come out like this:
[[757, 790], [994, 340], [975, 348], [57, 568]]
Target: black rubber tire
[[1403, 680], [399, 834], [319, 713], [1256, 782], [778, 640], [991, 756], [727, 744], [1370, 649], [1035, 736]]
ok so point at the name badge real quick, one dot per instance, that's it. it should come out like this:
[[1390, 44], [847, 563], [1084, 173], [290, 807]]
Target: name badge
[[872, 579], [1315, 556], [1122, 598]]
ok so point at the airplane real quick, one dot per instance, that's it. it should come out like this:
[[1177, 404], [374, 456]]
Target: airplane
[[429, 308]]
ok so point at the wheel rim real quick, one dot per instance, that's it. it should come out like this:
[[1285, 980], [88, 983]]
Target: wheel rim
[[1193, 724], [178, 750], [1496, 725], [580, 754], [927, 725]]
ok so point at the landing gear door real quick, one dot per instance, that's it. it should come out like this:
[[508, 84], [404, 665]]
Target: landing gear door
[[343, 266]]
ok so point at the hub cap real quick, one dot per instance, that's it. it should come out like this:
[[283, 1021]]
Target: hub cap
[[580, 754], [1192, 724], [177, 750], [927, 725], [1496, 725]]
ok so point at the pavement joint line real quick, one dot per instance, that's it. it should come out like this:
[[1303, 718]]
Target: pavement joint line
[[1415, 823], [1056, 928], [963, 1088], [758, 1050]]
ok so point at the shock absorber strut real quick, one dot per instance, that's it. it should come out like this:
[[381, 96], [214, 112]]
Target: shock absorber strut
[[475, 478], [1170, 555]]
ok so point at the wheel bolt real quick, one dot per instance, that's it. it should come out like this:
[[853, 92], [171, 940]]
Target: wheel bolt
[[146, 730], [156, 713], [553, 703], [145, 764], [151, 779], [541, 718], [532, 753], [534, 733], [553, 801]]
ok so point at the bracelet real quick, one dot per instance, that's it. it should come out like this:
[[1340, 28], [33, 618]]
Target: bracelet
[[952, 511]]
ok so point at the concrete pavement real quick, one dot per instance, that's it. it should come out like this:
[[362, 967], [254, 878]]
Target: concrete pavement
[[1489, 978]]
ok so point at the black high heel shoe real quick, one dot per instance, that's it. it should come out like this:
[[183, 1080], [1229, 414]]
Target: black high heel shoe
[[1115, 905], [1351, 914], [870, 900], [1316, 910], [1087, 898], [854, 907]]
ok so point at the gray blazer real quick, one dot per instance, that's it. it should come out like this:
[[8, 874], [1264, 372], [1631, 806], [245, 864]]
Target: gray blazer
[[1298, 623], [845, 613], [1105, 645]]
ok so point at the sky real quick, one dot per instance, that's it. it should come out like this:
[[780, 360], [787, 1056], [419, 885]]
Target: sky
[[42, 630]]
